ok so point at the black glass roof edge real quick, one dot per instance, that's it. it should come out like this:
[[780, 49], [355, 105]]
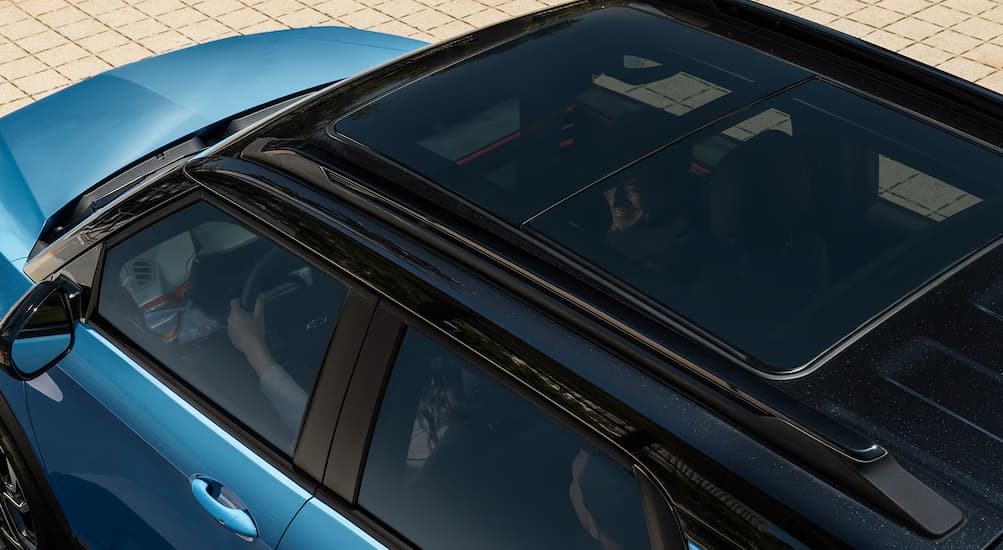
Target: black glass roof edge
[[963, 106], [331, 129]]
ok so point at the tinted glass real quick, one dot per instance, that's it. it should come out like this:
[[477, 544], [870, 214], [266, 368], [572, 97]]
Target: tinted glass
[[530, 121], [787, 226], [175, 289], [459, 461]]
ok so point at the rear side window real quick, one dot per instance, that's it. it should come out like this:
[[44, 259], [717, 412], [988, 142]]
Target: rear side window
[[238, 318], [459, 461]]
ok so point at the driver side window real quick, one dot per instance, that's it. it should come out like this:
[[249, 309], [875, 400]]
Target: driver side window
[[236, 317]]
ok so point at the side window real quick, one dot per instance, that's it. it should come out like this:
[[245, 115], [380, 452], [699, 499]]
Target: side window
[[458, 460], [236, 317]]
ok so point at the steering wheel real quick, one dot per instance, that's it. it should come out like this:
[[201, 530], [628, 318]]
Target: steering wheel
[[253, 286]]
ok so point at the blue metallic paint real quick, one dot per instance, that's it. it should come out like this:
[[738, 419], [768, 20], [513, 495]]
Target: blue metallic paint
[[54, 149], [120, 449], [319, 522]]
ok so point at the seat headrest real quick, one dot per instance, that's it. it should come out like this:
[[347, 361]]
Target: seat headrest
[[760, 192]]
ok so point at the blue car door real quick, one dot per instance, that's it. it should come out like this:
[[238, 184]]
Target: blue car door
[[177, 421]]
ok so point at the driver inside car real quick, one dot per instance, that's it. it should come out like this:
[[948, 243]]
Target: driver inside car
[[651, 220], [246, 331]]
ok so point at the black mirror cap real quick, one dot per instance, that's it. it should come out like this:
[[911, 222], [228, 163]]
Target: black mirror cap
[[21, 313]]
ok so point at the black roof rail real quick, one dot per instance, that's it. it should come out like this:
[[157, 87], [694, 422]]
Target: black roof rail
[[839, 453]]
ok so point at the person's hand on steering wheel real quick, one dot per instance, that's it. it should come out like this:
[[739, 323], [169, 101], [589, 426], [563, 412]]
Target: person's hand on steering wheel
[[247, 334]]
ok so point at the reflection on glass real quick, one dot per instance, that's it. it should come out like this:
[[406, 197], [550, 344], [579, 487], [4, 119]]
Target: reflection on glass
[[44, 337], [786, 226]]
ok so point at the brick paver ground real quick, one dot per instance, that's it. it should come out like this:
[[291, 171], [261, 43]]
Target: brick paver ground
[[46, 45]]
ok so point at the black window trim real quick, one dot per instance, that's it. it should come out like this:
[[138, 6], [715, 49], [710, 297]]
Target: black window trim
[[353, 436], [302, 467]]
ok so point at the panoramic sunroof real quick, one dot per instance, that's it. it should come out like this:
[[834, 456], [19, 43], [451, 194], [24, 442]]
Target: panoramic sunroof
[[789, 224], [527, 123]]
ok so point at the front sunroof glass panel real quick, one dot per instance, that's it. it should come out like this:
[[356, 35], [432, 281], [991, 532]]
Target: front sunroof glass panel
[[529, 122], [786, 226]]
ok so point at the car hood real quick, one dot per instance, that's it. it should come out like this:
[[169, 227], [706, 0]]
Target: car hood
[[56, 148]]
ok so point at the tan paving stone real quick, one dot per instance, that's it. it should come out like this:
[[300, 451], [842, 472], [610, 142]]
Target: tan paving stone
[[839, 7], [875, 16], [181, 17], [520, 7], [451, 29], [267, 26], [142, 28], [215, 8], [242, 18], [366, 17], [61, 55], [979, 28], [125, 54], [926, 54], [82, 29], [994, 82], [952, 41], [62, 16], [19, 30], [987, 54], [941, 16], [965, 68], [461, 9], [204, 30], [166, 41], [275, 8], [98, 7], [305, 17], [995, 14], [9, 92], [12, 14], [10, 51], [817, 16], [397, 27], [887, 40], [83, 68], [159, 7], [398, 8], [103, 41], [38, 7], [42, 41], [487, 17], [851, 27], [914, 29], [338, 8], [782, 5], [971, 7], [122, 16], [905, 7], [40, 82]]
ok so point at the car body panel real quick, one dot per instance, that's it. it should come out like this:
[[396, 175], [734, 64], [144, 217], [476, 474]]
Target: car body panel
[[56, 148], [319, 522], [120, 448]]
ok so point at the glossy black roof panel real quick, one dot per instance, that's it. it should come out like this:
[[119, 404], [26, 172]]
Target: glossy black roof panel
[[789, 224], [526, 131], [527, 122]]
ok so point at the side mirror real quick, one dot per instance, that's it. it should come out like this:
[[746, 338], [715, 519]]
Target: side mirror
[[38, 331]]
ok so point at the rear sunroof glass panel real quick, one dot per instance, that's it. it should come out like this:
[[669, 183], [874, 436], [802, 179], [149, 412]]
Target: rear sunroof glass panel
[[789, 224], [529, 122]]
